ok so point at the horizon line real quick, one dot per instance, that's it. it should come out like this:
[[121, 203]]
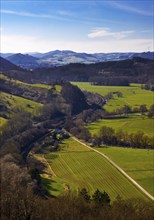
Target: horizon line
[[28, 52]]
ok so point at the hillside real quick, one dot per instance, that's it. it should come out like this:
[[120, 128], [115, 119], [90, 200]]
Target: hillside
[[63, 57], [24, 61], [136, 70], [7, 65]]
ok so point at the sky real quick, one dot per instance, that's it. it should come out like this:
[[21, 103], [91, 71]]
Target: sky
[[91, 26]]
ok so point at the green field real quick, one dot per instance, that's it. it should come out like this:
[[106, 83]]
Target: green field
[[132, 124], [79, 167], [13, 101], [138, 163], [2, 121], [132, 95], [70, 145]]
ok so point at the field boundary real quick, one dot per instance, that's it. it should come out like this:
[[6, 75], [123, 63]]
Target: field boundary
[[118, 168]]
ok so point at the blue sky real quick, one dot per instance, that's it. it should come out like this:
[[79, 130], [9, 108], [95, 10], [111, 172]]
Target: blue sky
[[83, 26]]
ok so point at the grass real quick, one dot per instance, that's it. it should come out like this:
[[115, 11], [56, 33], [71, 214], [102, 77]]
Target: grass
[[133, 95], [13, 101], [49, 180], [2, 121], [78, 167], [131, 125], [70, 145], [138, 163]]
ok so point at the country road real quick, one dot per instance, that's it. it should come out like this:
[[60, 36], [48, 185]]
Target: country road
[[117, 167]]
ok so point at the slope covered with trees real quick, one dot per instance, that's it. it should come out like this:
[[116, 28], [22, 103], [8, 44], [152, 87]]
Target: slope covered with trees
[[136, 70]]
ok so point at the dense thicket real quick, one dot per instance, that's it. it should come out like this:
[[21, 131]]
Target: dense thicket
[[75, 97]]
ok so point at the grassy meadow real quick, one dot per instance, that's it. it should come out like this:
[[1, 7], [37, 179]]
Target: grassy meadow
[[13, 101], [76, 167], [137, 163], [133, 95], [132, 124]]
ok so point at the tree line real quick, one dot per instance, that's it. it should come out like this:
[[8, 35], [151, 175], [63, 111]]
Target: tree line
[[147, 87], [108, 136], [127, 109]]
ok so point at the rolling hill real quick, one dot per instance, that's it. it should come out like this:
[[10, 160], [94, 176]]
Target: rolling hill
[[118, 73], [7, 65], [63, 57], [24, 61]]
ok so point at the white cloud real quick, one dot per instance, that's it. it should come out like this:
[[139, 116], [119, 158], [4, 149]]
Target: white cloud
[[121, 5], [34, 15], [27, 14], [106, 32], [20, 43]]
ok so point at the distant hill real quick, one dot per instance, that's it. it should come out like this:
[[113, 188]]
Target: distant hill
[[7, 65], [4, 55], [121, 72], [146, 55], [60, 58], [24, 60]]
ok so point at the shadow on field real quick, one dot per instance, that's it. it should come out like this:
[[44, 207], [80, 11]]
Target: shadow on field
[[48, 184]]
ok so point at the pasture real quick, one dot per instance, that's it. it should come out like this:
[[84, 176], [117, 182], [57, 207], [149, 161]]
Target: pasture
[[137, 163], [79, 167], [132, 124], [133, 95]]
